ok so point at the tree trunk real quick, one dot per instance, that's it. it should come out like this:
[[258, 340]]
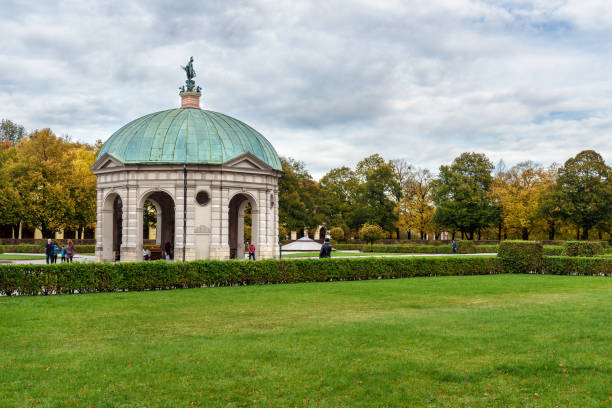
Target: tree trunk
[[421, 234], [551, 231], [453, 235], [525, 234], [479, 234], [409, 235], [585, 233], [462, 235], [600, 235], [577, 233]]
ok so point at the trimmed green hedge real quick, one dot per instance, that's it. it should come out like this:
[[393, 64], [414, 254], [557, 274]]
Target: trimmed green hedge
[[553, 250], [423, 249], [65, 278], [566, 265], [465, 247], [583, 248], [520, 256], [37, 249], [1, 249], [20, 279]]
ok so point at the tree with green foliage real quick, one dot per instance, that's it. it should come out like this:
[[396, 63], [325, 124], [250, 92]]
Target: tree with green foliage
[[298, 196], [585, 191], [11, 132], [461, 194], [338, 189], [549, 209], [11, 207], [377, 194]]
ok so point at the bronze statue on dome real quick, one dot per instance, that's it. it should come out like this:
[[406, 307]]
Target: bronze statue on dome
[[190, 83]]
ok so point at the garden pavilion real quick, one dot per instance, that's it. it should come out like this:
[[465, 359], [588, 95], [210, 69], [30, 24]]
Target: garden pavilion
[[199, 169]]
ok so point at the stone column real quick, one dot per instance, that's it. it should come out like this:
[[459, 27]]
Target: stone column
[[99, 226], [130, 243]]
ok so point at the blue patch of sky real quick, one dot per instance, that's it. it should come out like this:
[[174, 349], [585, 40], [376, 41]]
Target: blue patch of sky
[[563, 116], [526, 18]]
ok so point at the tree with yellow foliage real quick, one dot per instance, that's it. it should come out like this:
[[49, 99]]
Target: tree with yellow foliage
[[415, 210], [56, 188], [517, 192]]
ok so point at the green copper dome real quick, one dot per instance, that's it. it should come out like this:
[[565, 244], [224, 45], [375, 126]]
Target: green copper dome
[[188, 136]]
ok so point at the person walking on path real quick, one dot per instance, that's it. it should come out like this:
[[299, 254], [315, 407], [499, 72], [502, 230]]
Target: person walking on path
[[251, 251], [63, 254], [454, 247], [168, 249], [70, 251], [55, 253], [326, 249], [49, 251]]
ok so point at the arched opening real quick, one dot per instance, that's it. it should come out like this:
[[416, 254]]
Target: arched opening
[[149, 223], [112, 228], [236, 223], [117, 227], [158, 217], [322, 233]]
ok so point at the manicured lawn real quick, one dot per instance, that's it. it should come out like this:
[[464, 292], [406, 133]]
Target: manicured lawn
[[498, 340], [20, 257]]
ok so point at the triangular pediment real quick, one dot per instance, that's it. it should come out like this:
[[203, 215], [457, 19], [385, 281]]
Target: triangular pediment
[[247, 161], [107, 161]]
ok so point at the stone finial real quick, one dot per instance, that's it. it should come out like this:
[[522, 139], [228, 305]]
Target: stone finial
[[190, 99]]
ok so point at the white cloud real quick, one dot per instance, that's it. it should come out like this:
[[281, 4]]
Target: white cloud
[[328, 82]]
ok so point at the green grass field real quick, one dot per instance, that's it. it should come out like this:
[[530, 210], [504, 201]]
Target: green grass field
[[499, 340], [20, 257]]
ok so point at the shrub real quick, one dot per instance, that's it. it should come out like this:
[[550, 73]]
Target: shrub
[[553, 250], [566, 265], [413, 248], [84, 249], [406, 249], [1, 249], [583, 248], [465, 247], [20, 279], [29, 248], [337, 233], [370, 233], [520, 256]]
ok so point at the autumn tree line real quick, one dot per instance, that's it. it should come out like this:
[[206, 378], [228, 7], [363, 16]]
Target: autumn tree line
[[470, 198], [46, 183]]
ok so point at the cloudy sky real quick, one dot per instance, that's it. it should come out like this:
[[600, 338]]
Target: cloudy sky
[[327, 82]]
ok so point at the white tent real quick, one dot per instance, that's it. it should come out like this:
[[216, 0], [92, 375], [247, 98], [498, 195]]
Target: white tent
[[302, 244]]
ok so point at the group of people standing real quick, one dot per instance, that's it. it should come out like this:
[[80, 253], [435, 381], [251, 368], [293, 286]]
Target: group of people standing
[[52, 250]]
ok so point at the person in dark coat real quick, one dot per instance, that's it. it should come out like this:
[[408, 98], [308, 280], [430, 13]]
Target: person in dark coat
[[326, 249], [168, 249], [50, 251]]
